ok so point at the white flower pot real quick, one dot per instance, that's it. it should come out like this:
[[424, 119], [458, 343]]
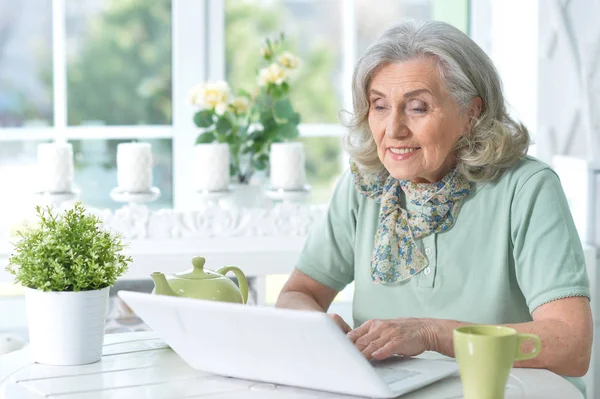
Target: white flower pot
[[66, 328]]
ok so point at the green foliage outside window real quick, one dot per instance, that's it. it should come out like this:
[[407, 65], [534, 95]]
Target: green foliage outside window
[[121, 74]]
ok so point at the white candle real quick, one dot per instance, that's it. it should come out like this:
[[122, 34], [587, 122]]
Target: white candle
[[211, 163], [287, 164], [134, 167], [55, 163]]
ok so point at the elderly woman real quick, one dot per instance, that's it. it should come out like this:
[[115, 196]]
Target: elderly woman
[[442, 220]]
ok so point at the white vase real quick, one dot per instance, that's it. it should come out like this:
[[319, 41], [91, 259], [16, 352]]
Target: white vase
[[66, 328]]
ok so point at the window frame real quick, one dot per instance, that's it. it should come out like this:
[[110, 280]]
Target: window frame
[[195, 58]]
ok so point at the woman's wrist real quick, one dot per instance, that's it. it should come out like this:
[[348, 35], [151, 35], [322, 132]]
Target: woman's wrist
[[429, 331], [438, 335]]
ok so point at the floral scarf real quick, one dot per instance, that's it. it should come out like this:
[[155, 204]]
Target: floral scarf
[[396, 256]]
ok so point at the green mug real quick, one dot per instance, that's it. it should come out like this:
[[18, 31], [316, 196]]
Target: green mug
[[485, 356]]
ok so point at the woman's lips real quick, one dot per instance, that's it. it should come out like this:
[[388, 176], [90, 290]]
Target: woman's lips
[[402, 153]]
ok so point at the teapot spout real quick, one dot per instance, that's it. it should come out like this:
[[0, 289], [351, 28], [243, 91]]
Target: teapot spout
[[161, 285]]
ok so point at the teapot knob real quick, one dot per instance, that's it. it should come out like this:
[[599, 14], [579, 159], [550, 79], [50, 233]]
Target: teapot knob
[[198, 262]]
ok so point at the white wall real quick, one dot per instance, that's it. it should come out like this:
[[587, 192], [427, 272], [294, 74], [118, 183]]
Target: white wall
[[507, 31], [569, 75]]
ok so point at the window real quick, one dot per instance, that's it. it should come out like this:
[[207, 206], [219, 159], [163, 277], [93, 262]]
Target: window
[[101, 72], [97, 73], [25, 53], [118, 62]]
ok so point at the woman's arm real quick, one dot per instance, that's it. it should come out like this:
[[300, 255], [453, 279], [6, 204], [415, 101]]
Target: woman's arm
[[564, 326], [304, 293]]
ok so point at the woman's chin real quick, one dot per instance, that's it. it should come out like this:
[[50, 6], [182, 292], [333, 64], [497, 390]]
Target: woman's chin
[[402, 174]]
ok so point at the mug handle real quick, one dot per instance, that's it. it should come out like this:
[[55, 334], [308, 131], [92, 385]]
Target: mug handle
[[536, 351]]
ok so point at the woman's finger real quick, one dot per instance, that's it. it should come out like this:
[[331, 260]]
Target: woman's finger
[[366, 339], [389, 349], [355, 334], [373, 347]]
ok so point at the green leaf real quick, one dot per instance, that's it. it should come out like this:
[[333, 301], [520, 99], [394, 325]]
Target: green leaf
[[287, 131], [255, 135], [224, 125], [260, 162], [231, 139], [206, 137], [267, 121], [283, 110], [295, 119], [204, 118]]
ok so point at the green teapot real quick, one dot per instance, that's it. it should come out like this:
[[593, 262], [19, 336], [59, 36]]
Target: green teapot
[[202, 283]]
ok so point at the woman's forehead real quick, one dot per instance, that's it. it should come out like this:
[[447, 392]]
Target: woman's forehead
[[407, 76]]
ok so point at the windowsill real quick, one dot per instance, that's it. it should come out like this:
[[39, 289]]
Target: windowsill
[[261, 241]]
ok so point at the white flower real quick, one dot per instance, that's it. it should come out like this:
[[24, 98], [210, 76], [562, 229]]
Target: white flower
[[220, 108], [211, 95], [289, 60], [274, 73], [195, 94], [240, 105]]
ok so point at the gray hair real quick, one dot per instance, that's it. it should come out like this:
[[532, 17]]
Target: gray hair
[[495, 142]]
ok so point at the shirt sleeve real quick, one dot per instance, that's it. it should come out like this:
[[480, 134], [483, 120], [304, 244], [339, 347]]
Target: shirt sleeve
[[328, 253], [549, 258]]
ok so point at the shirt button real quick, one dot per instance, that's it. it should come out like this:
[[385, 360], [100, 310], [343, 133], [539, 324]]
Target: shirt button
[[428, 251], [427, 271]]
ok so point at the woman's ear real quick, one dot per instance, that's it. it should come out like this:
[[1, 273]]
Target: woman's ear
[[474, 111]]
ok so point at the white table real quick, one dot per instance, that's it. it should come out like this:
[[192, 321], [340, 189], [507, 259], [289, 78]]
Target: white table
[[141, 365]]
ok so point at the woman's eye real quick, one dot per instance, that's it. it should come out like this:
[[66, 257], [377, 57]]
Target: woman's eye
[[377, 106], [418, 106]]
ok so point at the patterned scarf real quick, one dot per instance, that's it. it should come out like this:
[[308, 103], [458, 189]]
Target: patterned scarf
[[396, 256]]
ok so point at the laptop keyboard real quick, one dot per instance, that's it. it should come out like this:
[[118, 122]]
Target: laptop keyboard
[[391, 374]]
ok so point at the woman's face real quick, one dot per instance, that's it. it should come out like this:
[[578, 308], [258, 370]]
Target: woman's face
[[415, 121]]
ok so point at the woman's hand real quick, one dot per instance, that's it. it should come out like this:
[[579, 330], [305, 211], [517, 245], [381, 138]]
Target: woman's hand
[[340, 322], [379, 339]]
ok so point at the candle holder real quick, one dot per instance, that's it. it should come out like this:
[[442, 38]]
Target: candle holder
[[279, 194], [214, 196], [119, 195], [57, 198]]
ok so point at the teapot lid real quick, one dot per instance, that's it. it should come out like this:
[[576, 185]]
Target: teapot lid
[[198, 272]]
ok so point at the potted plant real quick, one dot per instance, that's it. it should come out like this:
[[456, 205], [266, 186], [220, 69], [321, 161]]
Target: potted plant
[[250, 123], [66, 262]]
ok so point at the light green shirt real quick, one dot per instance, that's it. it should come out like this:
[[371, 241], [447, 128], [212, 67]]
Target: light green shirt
[[513, 247]]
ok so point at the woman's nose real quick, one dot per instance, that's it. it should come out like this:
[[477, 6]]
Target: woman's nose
[[396, 128]]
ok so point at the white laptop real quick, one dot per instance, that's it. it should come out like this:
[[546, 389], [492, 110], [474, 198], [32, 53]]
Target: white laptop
[[280, 346]]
